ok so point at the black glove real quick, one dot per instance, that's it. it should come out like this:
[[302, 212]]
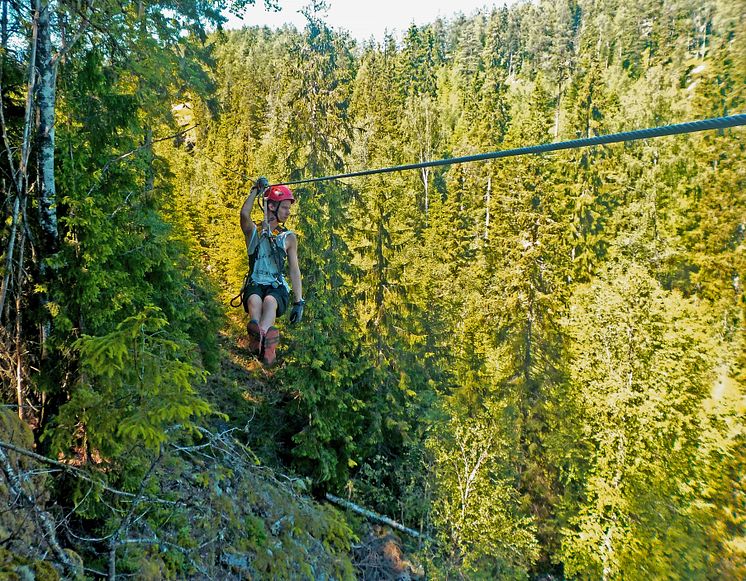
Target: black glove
[[296, 314], [261, 184]]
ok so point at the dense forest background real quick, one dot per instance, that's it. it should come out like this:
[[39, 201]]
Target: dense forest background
[[537, 363]]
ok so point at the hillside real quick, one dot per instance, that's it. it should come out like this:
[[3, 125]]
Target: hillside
[[536, 364]]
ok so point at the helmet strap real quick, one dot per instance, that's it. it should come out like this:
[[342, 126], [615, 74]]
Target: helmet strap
[[274, 212]]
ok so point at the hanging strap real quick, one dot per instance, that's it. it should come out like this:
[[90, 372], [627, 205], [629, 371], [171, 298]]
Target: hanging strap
[[240, 296]]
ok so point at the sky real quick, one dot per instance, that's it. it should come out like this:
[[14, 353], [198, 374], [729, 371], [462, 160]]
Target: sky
[[364, 18]]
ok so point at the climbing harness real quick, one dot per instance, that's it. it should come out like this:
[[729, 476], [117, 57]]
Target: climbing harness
[[278, 258]]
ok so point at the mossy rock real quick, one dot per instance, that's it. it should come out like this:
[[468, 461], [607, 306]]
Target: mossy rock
[[18, 568], [44, 571], [14, 430], [14, 522], [14, 519]]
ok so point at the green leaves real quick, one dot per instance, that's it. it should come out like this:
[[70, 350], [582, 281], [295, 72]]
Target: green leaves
[[643, 362], [137, 383], [476, 507]]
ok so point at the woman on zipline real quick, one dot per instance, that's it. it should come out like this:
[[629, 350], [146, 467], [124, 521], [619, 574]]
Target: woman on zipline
[[266, 293]]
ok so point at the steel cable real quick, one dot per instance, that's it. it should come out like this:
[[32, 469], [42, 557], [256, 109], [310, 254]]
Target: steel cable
[[677, 129]]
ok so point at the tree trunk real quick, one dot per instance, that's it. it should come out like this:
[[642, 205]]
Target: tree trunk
[[4, 27], [19, 342], [425, 172], [10, 252], [150, 179], [47, 94], [557, 111], [369, 514], [20, 176]]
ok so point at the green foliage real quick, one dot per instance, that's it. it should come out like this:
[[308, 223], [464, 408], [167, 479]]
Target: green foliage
[[137, 383], [538, 361], [476, 505], [643, 368], [498, 311], [334, 405], [463, 309]]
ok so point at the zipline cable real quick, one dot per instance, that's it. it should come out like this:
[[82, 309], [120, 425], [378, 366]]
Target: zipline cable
[[677, 129]]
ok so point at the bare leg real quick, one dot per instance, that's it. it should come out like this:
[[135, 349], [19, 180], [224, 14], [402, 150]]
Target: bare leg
[[255, 307], [270, 333], [252, 328], [268, 312]]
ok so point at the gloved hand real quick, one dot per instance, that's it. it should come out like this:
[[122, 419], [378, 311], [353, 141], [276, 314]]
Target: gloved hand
[[261, 184], [296, 314]]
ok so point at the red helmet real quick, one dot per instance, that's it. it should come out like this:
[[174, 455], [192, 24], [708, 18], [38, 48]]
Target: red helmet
[[279, 194]]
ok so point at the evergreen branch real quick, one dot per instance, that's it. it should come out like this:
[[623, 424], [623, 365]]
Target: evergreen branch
[[139, 148]]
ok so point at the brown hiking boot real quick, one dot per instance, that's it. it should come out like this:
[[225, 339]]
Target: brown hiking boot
[[271, 340], [255, 337]]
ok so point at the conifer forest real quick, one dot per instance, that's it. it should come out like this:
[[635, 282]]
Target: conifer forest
[[534, 367]]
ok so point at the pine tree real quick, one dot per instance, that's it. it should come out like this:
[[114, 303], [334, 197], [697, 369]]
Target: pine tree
[[643, 365]]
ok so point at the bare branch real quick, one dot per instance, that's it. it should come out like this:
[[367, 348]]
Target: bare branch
[[124, 524], [81, 30], [46, 522], [156, 541], [81, 474]]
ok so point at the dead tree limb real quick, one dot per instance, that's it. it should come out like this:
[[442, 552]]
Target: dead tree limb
[[45, 521], [68, 45], [77, 472], [374, 516]]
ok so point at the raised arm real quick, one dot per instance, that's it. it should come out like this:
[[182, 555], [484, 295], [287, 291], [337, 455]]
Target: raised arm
[[247, 225]]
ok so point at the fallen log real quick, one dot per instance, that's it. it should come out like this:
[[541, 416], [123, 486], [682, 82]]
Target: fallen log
[[374, 516]]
